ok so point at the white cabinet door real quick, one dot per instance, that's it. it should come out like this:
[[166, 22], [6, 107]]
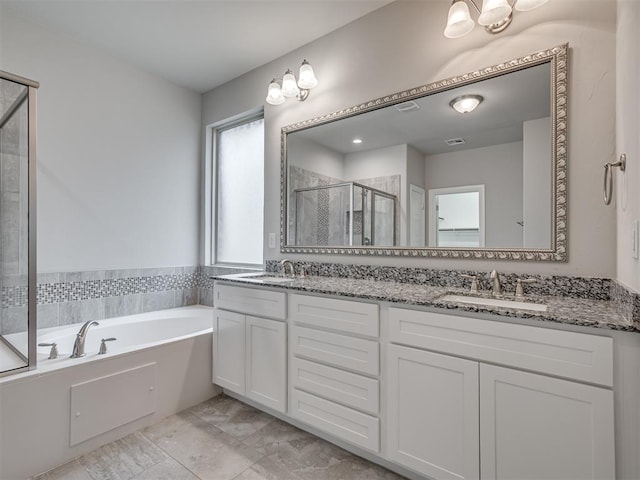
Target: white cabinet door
[[538, 427], [229, 350], [432, 421], [266, 366]]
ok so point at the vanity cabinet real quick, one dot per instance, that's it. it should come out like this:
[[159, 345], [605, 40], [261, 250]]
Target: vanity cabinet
[[250, 351], [335, 366], [432, 408], [453, 413]]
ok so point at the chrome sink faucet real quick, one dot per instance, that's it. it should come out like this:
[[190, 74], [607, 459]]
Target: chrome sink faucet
[[287, 263], [78, 346], [495, 283]]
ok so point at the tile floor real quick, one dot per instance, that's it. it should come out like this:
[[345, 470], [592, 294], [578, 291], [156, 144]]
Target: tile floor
[[220, 439]]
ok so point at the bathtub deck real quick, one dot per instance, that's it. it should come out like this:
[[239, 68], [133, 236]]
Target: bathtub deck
[[220, 439], [8, 359]]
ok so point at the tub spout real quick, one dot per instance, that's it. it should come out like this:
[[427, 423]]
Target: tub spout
[[78, 346]]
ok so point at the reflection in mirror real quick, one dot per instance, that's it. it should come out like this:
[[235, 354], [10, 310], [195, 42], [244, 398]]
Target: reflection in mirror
[[401, 172], [457, 217]]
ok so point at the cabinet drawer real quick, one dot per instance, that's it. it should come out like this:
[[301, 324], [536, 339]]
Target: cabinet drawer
[[578, 356], [343, 387], [355, 427], [252, 301], [342, 315], [338, 350]]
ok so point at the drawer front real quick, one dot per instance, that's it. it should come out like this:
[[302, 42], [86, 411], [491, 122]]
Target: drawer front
[[252, 301], [577, 356], [355, 427], [347, 388], [338, 350], [342, 315]]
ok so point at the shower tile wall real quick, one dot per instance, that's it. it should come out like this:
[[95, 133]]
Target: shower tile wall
[[325, 212], [315, 228], [13, 202]]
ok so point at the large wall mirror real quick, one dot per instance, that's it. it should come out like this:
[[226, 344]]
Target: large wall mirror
[[409, 174]]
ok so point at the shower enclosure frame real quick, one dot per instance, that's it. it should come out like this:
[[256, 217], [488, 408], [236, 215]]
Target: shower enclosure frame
[[351, 186], [32, 330]]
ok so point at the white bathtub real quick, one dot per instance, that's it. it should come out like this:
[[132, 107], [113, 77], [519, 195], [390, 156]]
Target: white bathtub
[[133, 332], [171, 349]]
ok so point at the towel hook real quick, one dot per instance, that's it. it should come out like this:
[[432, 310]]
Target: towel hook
[[608, 176]]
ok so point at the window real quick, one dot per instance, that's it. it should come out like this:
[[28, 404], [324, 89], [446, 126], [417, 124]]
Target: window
[[238, 192]]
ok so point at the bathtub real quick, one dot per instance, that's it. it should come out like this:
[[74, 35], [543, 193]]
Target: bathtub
[[160, 364], [132, 332]]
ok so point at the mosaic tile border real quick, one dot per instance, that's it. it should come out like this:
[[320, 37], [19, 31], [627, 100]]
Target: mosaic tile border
[[555, 285], [81, 288]]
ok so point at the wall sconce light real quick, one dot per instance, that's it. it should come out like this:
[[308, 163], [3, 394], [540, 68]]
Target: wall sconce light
[[466, 103], [287, 87], [495, 15]]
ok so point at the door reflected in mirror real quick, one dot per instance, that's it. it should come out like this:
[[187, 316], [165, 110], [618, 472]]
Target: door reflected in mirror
[[457, 217]]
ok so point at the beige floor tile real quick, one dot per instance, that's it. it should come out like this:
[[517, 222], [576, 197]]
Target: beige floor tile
[[167, 470], [278, 435], [122, 459], [207, 451], [232, 416], [69, 471], [357, 468], [267, 469], [169, 425]]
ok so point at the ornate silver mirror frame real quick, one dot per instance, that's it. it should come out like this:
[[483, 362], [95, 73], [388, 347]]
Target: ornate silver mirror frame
[[557, 57]]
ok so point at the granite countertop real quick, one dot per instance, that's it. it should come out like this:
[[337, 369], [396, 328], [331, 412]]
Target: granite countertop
[[565, 310]]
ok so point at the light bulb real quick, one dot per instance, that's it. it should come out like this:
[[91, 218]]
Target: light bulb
[[274, 95], [289, 86], [459, 22], [307, 79], [525, 5], [494, 11]]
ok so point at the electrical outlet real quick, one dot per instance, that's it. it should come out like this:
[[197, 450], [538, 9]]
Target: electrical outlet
[[272, 240], [635, 241]]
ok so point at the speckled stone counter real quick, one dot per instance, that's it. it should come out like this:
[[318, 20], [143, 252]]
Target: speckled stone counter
[[560, 309]]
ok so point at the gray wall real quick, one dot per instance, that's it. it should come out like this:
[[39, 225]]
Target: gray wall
[[401, 46], [118, 156], [499, 169]]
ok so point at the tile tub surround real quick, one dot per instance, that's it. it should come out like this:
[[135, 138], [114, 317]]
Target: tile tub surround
[[75, 297], [220, 439], [566, 310]]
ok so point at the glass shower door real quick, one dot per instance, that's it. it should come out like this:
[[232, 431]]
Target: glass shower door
[[17, 315]]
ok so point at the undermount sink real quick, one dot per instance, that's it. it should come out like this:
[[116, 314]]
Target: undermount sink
[[271, 278], [494, 302]]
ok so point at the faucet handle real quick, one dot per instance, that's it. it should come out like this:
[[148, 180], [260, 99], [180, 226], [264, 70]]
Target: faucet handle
[[474, 281], [303, 271], [519, 282], [53, 354], [103, 345]]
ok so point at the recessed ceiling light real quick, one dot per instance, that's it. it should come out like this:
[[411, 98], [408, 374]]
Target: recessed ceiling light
[[357, 140]]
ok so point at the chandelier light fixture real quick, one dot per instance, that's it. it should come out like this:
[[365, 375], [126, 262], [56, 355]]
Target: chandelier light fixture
[[495, 15], [288, 87]]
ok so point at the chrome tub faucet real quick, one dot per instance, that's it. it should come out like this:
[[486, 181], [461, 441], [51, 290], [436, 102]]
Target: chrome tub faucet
[[78, 346]]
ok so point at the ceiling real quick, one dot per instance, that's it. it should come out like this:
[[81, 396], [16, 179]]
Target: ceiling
[[198, 44], [509, 100]]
